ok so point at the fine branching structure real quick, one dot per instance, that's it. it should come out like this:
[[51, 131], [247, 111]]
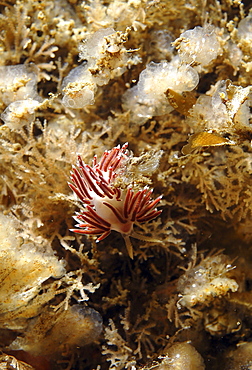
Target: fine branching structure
[[125, 185]]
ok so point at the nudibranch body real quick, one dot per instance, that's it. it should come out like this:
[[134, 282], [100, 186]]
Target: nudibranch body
[[108, 207]]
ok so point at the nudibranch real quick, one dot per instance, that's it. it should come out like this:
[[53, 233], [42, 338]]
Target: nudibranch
[[108, 207]]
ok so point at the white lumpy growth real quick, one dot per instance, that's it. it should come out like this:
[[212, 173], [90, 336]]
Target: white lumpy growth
[[18, 82], [78, 88], [20, 113], [24, 267], [18, 90], [201, 284], [181, 356], [245, 28], [158, 77], [148, 98], [199, 45], [105, 58], [225, 108]]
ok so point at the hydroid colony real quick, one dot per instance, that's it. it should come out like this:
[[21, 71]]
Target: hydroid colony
[[78, 80]]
